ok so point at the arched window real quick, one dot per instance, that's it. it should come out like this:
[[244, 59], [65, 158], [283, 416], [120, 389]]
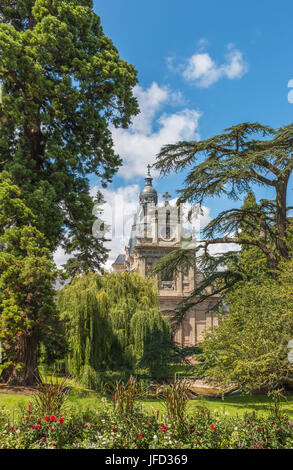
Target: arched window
[[168, 228]]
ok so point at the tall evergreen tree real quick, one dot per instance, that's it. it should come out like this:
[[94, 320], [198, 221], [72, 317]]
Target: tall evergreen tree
[[64, 85]]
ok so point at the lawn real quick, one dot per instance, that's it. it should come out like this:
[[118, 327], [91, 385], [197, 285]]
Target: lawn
[[235, 405]]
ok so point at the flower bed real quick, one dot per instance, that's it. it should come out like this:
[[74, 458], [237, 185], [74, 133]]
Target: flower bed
[[108, 429]]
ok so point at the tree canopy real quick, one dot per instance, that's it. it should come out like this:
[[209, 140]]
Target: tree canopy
[[64, 86], [231, 164], [250, 346]]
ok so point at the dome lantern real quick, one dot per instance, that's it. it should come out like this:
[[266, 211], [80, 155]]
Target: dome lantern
[[148, 194]]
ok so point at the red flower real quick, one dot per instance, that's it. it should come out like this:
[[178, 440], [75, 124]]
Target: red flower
[[278, 430], [140, 436], [61, 420], [163, 428], [39, 421], [212, 427], [259, 430], [201, 411], [52, 418], [148, 421], [46, 418], [44, 439]]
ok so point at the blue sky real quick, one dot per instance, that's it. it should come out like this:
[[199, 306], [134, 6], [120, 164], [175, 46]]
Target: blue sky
[[202, 66]]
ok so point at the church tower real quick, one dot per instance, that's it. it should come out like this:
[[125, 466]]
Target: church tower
[[156, 231]]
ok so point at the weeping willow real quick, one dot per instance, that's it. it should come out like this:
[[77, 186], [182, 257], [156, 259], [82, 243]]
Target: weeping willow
[[111, 321]]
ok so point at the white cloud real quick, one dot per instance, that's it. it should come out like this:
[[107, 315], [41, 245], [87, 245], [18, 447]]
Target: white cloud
[[60, 257], [203, 71], [149, 131], [220, 248], [118, 212]]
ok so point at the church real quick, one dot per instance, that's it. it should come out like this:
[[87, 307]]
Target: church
[[156, 231]]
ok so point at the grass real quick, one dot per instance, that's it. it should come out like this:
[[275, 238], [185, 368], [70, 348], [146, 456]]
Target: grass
[[235, 405]]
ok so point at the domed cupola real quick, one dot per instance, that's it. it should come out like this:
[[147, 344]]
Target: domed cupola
[[148, 194]]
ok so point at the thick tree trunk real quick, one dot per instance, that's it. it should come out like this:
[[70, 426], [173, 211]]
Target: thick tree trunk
[[28, 374], [281, 217]]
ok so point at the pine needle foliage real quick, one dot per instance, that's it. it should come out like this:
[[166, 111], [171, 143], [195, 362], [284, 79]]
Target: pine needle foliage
[[232, 164]]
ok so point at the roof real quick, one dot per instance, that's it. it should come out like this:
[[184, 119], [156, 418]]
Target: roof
[[120, 259]]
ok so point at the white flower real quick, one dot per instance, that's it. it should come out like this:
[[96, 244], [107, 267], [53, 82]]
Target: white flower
[[155, 437]]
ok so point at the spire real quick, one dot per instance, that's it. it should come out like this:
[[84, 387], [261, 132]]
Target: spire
[[148, 194]]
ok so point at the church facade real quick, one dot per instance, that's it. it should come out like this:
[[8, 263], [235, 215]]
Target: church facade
[[156, 231]]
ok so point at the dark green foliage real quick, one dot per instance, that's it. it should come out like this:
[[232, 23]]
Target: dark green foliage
[[64, 85]]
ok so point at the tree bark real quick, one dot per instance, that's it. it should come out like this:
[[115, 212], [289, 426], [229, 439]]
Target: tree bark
[[281, 217], [27, 355]]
